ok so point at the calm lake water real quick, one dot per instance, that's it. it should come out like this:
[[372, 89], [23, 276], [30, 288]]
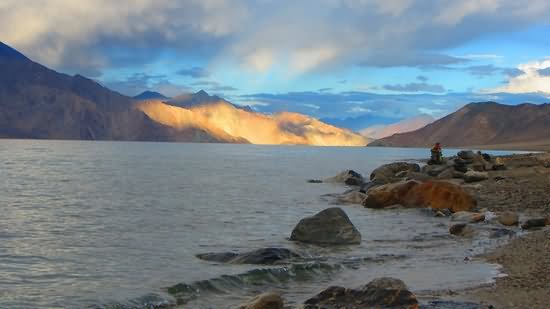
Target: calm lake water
[[95, 224]]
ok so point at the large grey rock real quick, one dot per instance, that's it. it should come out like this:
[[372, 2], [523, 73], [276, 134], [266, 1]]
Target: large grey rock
[[328, 227], [387, 173], [379, 293], [264, 301], [473, 176], [264, 256], [434, 170], [466, 155]]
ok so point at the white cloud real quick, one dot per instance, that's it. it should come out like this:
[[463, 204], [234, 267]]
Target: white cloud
[[434, 112], [530, 81], [359, 110], [297, 36]]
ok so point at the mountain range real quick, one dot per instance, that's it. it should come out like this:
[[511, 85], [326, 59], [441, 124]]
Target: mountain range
[[486, 125], [37, 102]]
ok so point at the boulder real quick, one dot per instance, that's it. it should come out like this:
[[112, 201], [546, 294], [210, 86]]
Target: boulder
[[533, 223], [508, 218], [461, 229], [379, 293], [498, 164], [264, 301], [387, 173], [440, 195], [348, 177], [433, 170], [371, 184], [264, 256], [418, 176], [388, 195], [352, 197], [414, 194], [328, 227], [448, 173], [473, 176], [466, 155], [468, 216]]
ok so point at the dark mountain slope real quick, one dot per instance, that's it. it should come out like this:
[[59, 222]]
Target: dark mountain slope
[[487, 123]]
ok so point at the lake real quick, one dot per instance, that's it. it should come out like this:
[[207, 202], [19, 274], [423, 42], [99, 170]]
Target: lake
[[99, 224]]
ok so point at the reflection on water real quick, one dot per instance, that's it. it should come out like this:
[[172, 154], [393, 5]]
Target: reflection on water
[[87, 223]]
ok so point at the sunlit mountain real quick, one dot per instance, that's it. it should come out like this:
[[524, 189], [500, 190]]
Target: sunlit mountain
[[222, 120]]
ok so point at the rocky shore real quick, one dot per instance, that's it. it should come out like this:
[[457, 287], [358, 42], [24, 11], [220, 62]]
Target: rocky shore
[[478, 195], [511, 193]]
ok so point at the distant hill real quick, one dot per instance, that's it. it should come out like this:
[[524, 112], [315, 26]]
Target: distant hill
[[480, 124], [37, 102], [407, 125], [150, 95]]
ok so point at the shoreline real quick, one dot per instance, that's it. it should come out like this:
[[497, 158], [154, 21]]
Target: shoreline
[[521, 186]]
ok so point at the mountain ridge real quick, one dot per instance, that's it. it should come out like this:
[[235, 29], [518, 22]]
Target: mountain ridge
[[480, 123]]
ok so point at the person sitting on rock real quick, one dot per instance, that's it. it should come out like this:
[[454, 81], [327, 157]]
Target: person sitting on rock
[[437, 154]]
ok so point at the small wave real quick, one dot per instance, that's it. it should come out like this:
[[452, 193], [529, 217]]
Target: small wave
[[149, 301], [254, 278]]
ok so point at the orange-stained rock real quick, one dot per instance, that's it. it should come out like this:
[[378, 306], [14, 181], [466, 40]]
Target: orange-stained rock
[[434, 194], [440, 195], [389, 195]]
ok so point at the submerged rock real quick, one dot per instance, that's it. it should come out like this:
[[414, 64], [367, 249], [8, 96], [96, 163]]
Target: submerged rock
[[348, 177], [264, 256], [474, 176], [508, 218], [314, 181], [461, 229], [265, 301], [379, 293], [352, 197], [328, 227]]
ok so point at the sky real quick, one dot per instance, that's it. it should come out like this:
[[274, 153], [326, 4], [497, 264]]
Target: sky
[[332, 59]]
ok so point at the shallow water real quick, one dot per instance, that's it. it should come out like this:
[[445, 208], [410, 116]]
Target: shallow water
[[98, 223]]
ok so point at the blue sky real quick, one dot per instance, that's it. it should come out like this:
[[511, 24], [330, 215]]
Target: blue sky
[[390, 59]]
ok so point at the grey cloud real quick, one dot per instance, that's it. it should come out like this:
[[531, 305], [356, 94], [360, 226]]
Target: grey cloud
[[489, 70], [213, 86], [422, 78], [139, 82], [194, 72], [411, 59], [415, 87]]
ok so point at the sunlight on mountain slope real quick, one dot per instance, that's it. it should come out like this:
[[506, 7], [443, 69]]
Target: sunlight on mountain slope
[[225, 121]]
